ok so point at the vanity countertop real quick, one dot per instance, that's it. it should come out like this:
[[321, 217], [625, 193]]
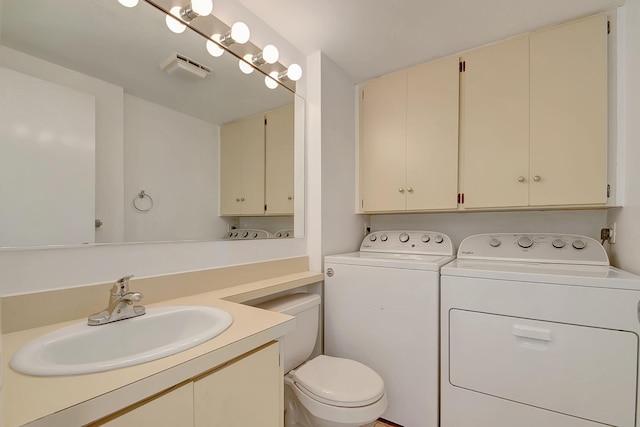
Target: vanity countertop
[[77, 400]]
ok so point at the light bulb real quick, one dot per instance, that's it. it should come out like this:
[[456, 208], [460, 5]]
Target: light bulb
[[294, 72], [270, 54], [240, 32], [271, 81], [174, 22], [214, 49], [245, 67], [202, 7], [128, 3]]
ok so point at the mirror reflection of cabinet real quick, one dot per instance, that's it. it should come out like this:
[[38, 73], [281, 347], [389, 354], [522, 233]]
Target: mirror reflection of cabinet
[[242, 167], [256, 165], [279, 161]]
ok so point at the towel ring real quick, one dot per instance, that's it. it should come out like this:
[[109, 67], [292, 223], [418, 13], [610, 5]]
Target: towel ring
[[138, 201]]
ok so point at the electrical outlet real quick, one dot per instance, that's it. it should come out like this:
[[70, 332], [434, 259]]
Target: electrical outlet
[[605, 233], [612, 234]]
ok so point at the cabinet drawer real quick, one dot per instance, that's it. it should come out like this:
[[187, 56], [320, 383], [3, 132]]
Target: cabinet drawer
[[581, 371]]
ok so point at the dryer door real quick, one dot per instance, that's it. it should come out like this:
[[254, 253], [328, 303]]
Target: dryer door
[[575, 370]]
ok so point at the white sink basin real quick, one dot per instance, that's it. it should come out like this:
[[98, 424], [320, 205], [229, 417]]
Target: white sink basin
[[83, 349]]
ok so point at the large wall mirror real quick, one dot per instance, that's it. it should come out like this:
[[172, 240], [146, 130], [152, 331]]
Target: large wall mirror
[[105, 133]]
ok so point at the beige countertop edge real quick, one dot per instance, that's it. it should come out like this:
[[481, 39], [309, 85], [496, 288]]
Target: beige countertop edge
[[77, 400]]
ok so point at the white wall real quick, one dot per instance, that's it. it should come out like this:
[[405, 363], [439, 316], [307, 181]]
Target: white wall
[[174, 158], [626, 250], [342, 229]]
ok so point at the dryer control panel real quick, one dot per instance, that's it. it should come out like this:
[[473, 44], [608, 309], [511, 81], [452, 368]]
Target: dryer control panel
[[408, 242], [534, 247]]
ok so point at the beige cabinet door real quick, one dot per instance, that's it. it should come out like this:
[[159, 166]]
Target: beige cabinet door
[[432, 135], [279, 162], [569, 113], [252, 199], [383, 115], [169, 409], [242, 167], [494, 131], [230, 168], [246, 392]]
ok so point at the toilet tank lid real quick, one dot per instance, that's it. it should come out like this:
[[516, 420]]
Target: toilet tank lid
[[291, 304]]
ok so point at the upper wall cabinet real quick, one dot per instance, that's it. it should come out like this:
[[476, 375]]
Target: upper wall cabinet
[[534, 119], [569, 114], [409, 139], [494, 137]]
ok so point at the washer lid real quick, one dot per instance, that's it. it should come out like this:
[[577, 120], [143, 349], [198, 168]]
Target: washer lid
[[339, 382]]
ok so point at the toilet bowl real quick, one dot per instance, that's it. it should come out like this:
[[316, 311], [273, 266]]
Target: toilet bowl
[[324, 391]]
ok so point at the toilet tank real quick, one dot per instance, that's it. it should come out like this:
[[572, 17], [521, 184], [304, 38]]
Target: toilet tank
[[297, 345]]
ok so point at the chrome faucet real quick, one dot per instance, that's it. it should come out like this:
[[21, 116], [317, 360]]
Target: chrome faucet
[[120, 304]]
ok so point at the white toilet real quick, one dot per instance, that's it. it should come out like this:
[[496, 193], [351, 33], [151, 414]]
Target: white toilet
[[324, 391]]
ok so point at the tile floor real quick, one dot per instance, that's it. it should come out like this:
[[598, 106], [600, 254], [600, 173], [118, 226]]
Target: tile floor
[[379, 424]]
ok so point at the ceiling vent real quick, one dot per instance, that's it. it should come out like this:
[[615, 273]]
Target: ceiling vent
[[180, 62]]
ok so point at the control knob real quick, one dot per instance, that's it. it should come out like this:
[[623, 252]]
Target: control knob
[[404, 237], [558, 243], [245, 234], [384, 238], [494, 242], [373, 238], [438, 239], [525, 242], [425, 238], [579, 244]]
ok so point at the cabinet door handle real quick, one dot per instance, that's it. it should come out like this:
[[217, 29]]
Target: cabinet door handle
[[410, 190], [290, 198], [537, 178], [237, 200], [532, 332], [401, 190], [521, 179]]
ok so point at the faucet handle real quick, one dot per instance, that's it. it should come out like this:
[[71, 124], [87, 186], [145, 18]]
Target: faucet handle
[[122, 286]]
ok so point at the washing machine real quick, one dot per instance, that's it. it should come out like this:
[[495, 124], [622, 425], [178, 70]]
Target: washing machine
[[538, 330], [381, 308]]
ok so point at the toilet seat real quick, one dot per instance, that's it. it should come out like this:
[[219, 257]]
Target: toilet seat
[[339, 382]]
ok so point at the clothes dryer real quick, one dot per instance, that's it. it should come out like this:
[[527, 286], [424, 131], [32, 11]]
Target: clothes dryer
[[382, 309], [538, 330]]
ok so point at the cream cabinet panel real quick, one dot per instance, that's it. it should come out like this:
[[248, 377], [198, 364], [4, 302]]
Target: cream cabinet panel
[[494, 140], [279, 162], [170, 409], [246, 392], [383, 116], [230, 168], [242, 163], [569, 113], [432, 135]]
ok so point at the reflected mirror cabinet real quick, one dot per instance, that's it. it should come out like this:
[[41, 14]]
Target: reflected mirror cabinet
[[115, 129]]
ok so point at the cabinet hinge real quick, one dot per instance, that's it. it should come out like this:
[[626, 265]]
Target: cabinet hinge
[[265, 121], [362, 203], [608, 191], [265, 208], [461, 198], [362, 94], [462, 66], [608, 27], [458, 198]]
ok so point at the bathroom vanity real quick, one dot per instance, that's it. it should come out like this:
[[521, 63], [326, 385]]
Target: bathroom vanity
[[210, 384]]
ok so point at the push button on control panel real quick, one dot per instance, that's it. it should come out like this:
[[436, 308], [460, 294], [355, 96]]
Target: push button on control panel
[[494, 242], [525, 242], [558, 243]]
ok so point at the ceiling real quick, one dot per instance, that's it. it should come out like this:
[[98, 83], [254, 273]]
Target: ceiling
[[368, 38]]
